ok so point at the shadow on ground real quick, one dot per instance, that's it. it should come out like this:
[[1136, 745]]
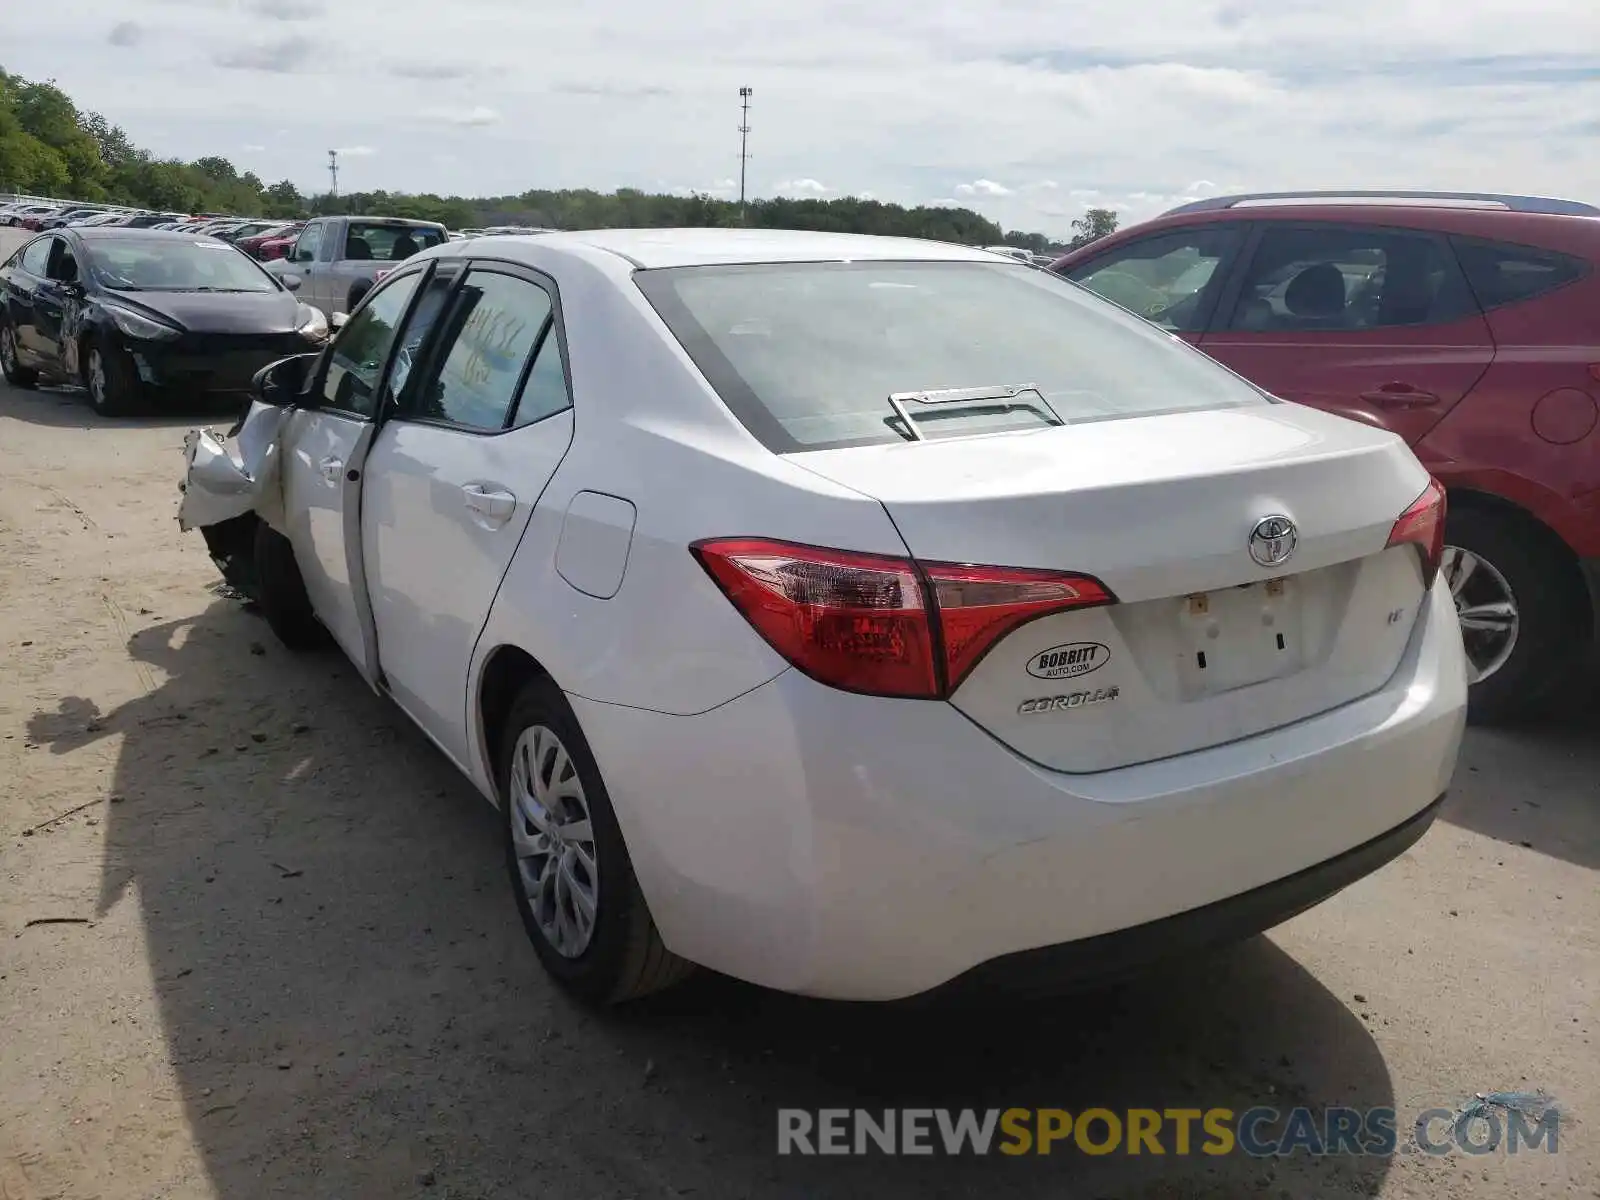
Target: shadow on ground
[[68, 408], [352, 1008], [1554, 805]]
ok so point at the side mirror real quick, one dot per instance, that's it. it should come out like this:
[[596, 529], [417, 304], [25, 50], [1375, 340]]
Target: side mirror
[[291, 281], [338, 321], [282, 383]]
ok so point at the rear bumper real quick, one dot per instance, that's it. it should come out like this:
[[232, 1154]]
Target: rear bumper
[[1111, 956], [860, 848]]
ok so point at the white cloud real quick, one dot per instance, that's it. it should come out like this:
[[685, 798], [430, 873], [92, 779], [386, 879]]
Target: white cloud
[[467, 118], [125, 33], [253, 148], [801, 187], [900, 99], [982, 187]]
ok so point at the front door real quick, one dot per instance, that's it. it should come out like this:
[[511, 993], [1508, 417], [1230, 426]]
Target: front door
[[1366, 321], [305, 260], [325, 448], [22, 302], [52, 302], [451, 482]]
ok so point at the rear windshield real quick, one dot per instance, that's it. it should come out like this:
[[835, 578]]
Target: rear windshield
[[806, 355]]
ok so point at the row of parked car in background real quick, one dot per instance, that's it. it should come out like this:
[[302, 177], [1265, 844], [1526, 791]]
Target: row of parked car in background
[[1463, 323]]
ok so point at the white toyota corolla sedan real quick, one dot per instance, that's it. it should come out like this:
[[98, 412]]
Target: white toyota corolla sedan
[[851, 615]]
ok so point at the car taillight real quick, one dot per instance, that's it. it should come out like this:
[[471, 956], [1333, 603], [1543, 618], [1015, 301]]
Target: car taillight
[[1422, 526], [879, 624]]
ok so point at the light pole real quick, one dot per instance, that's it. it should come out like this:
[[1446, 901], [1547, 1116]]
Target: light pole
[[333, 172], [744, 143]]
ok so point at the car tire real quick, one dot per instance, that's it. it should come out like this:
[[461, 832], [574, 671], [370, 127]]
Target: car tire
[[619, 955], [15, 374], [281, 592], [111, 379], [1488, 552]]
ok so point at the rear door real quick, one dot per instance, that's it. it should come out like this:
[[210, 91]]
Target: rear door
[[1172, 279], [452, 480], [1369, 322]]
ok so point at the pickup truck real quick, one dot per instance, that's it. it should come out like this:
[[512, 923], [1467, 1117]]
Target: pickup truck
[[336, 260]]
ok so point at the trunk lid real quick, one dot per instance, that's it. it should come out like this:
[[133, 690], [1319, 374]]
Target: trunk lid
[[1205, 645]]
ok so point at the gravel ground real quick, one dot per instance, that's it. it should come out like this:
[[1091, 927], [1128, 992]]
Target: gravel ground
[[256, 940]]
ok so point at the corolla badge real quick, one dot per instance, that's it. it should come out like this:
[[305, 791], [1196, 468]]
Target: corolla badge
[[1272, 541]]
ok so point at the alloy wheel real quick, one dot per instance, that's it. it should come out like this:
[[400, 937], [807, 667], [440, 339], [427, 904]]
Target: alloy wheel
[[553, 837], [1486, 608], [8, 350]]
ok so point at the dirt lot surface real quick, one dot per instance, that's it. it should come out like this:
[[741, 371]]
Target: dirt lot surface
[[256, 940]]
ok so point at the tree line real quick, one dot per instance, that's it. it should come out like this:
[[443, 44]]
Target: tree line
[[48, 146]]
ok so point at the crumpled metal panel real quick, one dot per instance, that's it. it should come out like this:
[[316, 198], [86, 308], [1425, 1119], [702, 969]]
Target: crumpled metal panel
[[221, 483]]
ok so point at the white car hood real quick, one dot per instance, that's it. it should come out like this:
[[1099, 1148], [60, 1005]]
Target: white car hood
[[222, 483]]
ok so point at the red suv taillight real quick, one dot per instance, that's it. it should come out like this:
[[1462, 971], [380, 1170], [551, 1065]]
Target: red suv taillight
[[1422, 526], [882, 625]]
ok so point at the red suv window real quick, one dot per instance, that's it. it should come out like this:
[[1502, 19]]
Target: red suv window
[[1501, 273], [1327, 278]]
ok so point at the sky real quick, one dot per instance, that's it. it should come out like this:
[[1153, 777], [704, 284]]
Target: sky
[[1028, 111]]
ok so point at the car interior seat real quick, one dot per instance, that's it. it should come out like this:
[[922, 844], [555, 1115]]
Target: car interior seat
[[1316, 296]]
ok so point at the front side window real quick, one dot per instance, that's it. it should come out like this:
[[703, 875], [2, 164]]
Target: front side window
[[494, 325], [305, 249], [36, 258], [357, 357], [1306, 279], [377, 242], [1166, 279], [807, 355]]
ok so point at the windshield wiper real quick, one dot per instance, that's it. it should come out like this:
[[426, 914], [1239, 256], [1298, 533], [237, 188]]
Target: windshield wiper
[[994, 400]]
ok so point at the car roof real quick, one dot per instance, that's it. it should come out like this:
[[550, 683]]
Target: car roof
[[649, 249]]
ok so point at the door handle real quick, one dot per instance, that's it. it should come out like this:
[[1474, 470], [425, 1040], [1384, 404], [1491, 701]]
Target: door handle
[[330, 468], [493, 503], [1400, 395]]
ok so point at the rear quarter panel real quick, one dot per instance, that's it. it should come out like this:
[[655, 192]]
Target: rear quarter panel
[[649, 430], [1530, 431]]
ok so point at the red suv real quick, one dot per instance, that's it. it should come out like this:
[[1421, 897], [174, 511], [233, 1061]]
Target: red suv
[[1468, 324]]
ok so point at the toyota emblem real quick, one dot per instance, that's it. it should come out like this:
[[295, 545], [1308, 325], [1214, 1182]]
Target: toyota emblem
[[1272, 541]]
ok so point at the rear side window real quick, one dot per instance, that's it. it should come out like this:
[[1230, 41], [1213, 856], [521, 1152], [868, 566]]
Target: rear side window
[[1501, 273], [495, 325], [807, 355], [367, 241], [1306, 279]]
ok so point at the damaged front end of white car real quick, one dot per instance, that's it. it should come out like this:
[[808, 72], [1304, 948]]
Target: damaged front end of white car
[[229, 491]]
